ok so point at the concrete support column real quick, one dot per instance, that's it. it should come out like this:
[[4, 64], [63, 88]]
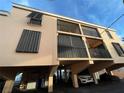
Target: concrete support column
[[75, 81], [77, 68], [50, 84], [8, 86], [109, 72], [95, 78], [98, 75], [50, 78]]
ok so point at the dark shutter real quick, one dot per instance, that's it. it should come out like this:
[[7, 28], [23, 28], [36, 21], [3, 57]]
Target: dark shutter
[[71, 47], [32, 14], [118, 48], [29, 42], [35, 14], [35, 18]]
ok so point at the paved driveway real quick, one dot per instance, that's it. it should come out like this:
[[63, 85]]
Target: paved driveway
[[106, 87], [103, 87]]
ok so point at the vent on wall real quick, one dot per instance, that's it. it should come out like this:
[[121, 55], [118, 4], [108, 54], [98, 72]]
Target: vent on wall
[[29, 42], [35, 18]]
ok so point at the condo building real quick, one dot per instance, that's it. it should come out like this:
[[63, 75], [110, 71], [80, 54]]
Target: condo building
[[40, 44]]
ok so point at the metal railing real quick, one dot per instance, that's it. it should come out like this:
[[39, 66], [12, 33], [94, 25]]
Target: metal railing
[[71, 52], [99, 53]]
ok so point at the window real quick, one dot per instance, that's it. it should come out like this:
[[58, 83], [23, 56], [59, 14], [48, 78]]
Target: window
[[90, 31], [68, 27], [109, 34], [29, 42], [71, 47], [97, 48], [118, 48], [35, 18]]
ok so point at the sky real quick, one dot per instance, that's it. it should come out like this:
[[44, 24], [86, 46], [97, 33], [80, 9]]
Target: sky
[[101, 12]]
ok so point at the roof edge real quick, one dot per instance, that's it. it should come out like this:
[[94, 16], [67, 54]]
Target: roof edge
[[4, 13], [59, 16]]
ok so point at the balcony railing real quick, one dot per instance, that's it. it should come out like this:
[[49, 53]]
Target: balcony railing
[[99, 53], [71, 52], [71, 47]]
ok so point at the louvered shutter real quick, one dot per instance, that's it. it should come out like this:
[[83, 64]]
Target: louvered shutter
[[29, 42]]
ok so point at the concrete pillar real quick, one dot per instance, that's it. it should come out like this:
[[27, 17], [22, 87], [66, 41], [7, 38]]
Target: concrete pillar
[[50, 78], [77, 68], [98, 75], [50, 84], [95, 78], [75, 81], [8, 86], [109, 72]]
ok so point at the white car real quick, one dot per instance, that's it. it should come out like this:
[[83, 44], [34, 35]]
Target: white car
[[85, 79]]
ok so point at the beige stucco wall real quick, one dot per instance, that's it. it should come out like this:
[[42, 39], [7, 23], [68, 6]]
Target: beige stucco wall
[[11, 28], [108, 43]]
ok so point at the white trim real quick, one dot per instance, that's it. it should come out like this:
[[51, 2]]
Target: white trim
[[73, 59], [58, 16], [93, 59], [104, 59], [4, 13]]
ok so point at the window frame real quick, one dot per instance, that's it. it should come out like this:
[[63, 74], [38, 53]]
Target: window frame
[[99, 36], [34, 18], [59, 25], [116, 49], [109, 35]]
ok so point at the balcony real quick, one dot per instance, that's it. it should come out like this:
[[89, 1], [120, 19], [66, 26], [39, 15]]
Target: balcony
[[97, 49], [71, 47], [70, 52], [99, 53]]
